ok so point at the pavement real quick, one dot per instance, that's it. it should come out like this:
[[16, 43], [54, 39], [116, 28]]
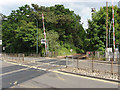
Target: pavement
[[16, 75]]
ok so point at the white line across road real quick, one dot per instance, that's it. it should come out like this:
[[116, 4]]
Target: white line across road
[[13, 71], [55, 71]]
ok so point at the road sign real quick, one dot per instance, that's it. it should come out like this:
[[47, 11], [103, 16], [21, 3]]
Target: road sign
[[3, 48], [71, 50], [43, 41], [0, 42]]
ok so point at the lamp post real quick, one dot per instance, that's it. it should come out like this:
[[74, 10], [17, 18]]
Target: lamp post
[[0, 35], [36, 34], [93, 10], [2, 19], [37, 37]]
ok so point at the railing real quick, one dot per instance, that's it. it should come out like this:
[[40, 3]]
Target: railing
[[101, 55], [19, 57], [95, 67]]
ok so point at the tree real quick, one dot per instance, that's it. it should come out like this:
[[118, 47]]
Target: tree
[[96, 32], [52, 38], [63, 29]]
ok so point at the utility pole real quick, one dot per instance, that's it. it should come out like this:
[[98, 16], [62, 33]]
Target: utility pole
[[37, 38]]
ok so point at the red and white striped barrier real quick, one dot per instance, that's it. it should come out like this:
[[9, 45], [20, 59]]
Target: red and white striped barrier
[[113, 27], [44, 31]]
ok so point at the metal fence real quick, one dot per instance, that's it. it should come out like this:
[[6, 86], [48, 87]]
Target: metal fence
[[19, 57], [92, 65], [101, 55], [51, 54]]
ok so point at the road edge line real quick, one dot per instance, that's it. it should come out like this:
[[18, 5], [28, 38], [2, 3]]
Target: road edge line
[[87, 77]]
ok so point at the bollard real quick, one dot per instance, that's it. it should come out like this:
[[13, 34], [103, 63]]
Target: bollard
[[77, 63], [66, 61], [23, 58], [73, 62], [92, 64], [112, 66], [12, 56]]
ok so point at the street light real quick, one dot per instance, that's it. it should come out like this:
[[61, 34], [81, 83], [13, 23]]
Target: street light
[[5, 19], [93, 10], [36, 33]]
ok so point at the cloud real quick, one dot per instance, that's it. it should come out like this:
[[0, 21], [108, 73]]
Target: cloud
[[83, 10], [4, 2], [80, 7]]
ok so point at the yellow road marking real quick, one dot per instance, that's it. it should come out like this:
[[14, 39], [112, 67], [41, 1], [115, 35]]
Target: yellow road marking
[[59, 77], [105, 81], [95, 79]]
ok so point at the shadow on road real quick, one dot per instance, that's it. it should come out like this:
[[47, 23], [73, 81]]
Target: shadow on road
[[20, 77]]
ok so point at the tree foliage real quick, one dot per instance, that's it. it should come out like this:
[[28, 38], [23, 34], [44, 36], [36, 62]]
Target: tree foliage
[[63, 29], [96, 32]]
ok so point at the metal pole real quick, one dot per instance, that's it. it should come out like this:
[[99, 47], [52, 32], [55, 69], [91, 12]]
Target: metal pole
[[113, 30], [66, 61], [106, 24], [37, 38], [112, 66], [78, 63], [92, 63]]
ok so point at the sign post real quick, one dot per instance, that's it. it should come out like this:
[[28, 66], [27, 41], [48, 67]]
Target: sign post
[[43, 41], [0, 42]]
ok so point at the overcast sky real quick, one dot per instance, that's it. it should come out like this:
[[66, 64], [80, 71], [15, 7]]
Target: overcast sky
[[81, 7]]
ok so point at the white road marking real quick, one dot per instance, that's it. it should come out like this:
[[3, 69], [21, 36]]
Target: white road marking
[[55, 71], [13, 71]]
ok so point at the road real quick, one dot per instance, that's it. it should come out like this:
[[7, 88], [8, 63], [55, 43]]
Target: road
[[83, 63], [96, 65], [17, 76]]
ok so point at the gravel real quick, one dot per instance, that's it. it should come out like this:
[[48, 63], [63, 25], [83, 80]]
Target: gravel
[[96, 73]]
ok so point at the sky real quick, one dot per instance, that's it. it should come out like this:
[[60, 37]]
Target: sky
[[80, 7]]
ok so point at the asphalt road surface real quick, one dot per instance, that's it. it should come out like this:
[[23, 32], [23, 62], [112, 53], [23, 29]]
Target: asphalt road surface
[[83, 63], [16, 76]]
